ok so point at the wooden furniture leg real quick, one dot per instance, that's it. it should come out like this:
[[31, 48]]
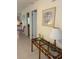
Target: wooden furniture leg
[[31, 46], [48, 47], [39, 51], [39, 54], [48, 51]]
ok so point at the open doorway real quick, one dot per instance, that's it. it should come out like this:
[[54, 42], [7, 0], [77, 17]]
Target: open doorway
[[28, 24]]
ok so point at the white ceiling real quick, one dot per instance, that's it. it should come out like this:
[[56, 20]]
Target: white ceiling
[[21, 4]]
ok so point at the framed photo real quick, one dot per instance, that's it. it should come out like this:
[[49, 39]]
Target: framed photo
[[49, 17]]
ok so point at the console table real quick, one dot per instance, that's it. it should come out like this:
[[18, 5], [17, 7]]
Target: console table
[[48, 49]]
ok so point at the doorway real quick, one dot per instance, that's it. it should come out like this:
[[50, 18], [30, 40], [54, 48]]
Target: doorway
[[34, 23], [28, 24]]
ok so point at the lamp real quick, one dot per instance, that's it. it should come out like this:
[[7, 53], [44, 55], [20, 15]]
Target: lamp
[[18, 22], [55, 34]]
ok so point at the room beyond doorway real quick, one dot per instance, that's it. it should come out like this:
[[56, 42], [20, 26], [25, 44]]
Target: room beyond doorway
[[28, 24]]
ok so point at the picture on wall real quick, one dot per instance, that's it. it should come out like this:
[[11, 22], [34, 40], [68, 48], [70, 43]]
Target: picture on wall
[[49, 16], [53, 0]]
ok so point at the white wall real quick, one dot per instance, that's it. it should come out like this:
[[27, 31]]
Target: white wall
[[40, 6]]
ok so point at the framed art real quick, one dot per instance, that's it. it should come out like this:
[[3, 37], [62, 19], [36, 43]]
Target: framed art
[[49, 17], [53, 0]]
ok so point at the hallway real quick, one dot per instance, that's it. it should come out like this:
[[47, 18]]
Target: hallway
[[24, 49]]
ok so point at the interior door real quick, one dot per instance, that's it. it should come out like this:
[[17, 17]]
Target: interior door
[[28, 24], [34, 23]]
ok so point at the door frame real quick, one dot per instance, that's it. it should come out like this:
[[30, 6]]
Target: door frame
[[27, 22], [32, 22]]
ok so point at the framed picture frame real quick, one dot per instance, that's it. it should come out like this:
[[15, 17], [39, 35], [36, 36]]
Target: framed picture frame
[[49, 17], [53, 0]]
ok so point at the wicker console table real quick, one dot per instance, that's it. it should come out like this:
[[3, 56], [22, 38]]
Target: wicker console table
[[47, 48]]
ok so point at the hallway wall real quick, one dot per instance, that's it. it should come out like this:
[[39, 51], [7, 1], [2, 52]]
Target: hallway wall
[[41, 5]]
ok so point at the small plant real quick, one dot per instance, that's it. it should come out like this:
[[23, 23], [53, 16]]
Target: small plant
[[40, 37]]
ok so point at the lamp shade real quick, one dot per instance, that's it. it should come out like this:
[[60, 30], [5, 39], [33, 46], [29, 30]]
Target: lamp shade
[[18, 22], [56, 34]]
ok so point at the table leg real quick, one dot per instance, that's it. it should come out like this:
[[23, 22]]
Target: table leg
[[31, 46], [48, 48], [48, 51], [39, 54], [39, 51]]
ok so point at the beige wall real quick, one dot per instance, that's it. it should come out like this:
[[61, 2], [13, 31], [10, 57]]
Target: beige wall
[[42, 5]]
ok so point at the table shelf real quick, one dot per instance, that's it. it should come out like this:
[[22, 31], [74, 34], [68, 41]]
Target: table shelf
[[46, 48]]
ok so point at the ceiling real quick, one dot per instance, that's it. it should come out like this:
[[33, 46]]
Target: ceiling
[[21, 4]]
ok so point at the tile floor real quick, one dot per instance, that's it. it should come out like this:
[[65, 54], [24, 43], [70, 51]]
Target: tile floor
[[24, 49]]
